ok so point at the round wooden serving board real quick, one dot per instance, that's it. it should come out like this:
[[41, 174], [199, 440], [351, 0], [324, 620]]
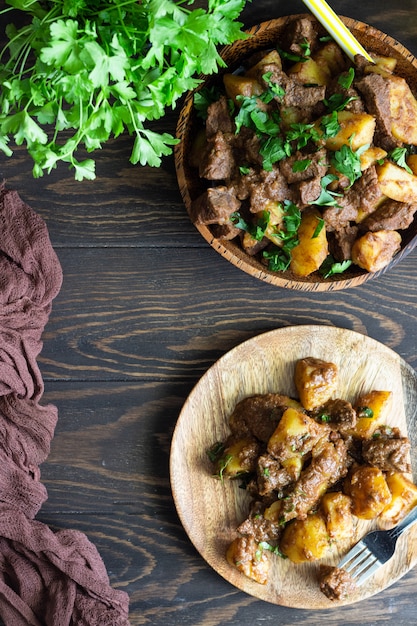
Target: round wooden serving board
[[211, 510]]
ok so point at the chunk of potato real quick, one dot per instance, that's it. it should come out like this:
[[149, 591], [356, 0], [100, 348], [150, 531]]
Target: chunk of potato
[[396, 183], [295, 435], [309, 73], [371, 156], [315, 380], [384, 66], [330, 58], [312, 247], [403, 108], [371, 409], [368, 490], [387, 63], [276, 220], [404, 498], [337, 511], [247, 556], [356, 130], [374, 250], [237, 458], [290, 115], [236, 85], [305, 540], [273, 512], [270, 58]]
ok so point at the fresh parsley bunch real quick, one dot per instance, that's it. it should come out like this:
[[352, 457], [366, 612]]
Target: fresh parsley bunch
[[82, 71]]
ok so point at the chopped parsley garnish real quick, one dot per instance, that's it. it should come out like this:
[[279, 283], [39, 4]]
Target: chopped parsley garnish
[[203, 99], [302, 165], [272, 150], [398, 155], [330, 125], [301, 134], [319, 227], [264, 545], [338, 102], [364, 411], [329, 267], [324, 417], [326, 197], [274, 88], [279, 258], [346, 80], [215, 452], [255, 230], [348, 162]]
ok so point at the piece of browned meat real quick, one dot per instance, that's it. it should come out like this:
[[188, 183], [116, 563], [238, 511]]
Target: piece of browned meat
[[374, 89], [218, 118], [342, 242], [268, 186], [339, 414], [297, 34], [214, 206], [336, 583], [258, 527], [218, 160], [389, 454], [327, 466], [391, 215], [271, 476], [258, 415], [364, 194]]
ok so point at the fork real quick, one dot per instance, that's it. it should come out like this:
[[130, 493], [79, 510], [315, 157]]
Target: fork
[[374, 549]]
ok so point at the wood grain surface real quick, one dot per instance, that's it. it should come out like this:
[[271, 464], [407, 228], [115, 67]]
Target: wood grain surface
[[146, 307]]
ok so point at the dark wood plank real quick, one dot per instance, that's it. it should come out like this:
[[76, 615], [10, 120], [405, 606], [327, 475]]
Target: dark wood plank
[[167, 314]]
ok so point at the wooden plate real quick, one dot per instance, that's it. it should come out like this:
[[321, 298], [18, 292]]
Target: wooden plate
[[191, 186], [211, 510]]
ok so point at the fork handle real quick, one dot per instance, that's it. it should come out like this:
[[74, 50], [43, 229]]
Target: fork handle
[[408, 521]]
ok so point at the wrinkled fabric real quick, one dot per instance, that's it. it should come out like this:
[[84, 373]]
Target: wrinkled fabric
[[47, 578]]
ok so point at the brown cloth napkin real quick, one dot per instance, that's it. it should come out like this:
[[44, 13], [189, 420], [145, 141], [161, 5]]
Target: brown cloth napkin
[[47, 578]]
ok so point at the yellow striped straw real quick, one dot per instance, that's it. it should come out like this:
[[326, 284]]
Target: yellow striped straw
[[335, 27]]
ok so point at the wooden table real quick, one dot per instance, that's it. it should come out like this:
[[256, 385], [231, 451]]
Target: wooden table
[[145, 308]]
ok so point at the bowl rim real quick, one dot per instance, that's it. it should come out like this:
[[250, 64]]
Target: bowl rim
[[230, 250]]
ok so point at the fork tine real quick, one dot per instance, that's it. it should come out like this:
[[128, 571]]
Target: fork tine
[[362, 567], [353, 553], [366, 574], [360, 563]]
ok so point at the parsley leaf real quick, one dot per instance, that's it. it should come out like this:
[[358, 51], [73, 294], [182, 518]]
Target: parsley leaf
[[348, 162], [330, 125], [329, 267], [398, 155], [338, 102], [319, 227], [346, 80], [302, 165], [79, 73], [327, 198], [256, 229], [279, 258], [203, 99]]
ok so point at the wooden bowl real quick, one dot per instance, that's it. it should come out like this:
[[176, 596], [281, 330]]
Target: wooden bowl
[[210, 510], [191, 186]]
